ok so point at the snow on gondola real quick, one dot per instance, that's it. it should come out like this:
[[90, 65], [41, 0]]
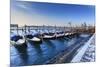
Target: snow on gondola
[[60, 35], [33, 38], [18, 41], [46, 37]]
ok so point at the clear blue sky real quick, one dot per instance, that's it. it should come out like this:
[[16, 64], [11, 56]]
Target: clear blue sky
[[51, 13]]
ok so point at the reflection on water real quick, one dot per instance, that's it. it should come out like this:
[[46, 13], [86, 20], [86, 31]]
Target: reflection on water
[[38, 53], [23, 54]]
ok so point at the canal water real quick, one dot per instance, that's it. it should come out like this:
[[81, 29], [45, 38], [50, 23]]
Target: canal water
[[39, 53]]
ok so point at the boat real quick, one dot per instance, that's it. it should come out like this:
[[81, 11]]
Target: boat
[[16, 37], [35, 40], [60, 35], [18, 41], [47, 36]]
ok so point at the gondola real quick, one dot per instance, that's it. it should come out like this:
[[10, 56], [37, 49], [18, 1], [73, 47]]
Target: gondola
[[18, 41], [48, 36], [33, 39]]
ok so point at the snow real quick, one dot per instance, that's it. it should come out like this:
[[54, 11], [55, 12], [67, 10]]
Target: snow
[[47, 36], [58, 35], [90, 52], [35, 39], [66, 33], [82, 51], [70, 33], [20, 41]]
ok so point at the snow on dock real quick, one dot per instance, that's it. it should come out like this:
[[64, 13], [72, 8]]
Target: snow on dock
[[87, 52]]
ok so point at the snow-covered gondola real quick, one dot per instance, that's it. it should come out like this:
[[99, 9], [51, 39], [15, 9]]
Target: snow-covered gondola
[[18, 41], [70, 35], [16, 37], [59, 35], [46, 37], [35, 40]]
